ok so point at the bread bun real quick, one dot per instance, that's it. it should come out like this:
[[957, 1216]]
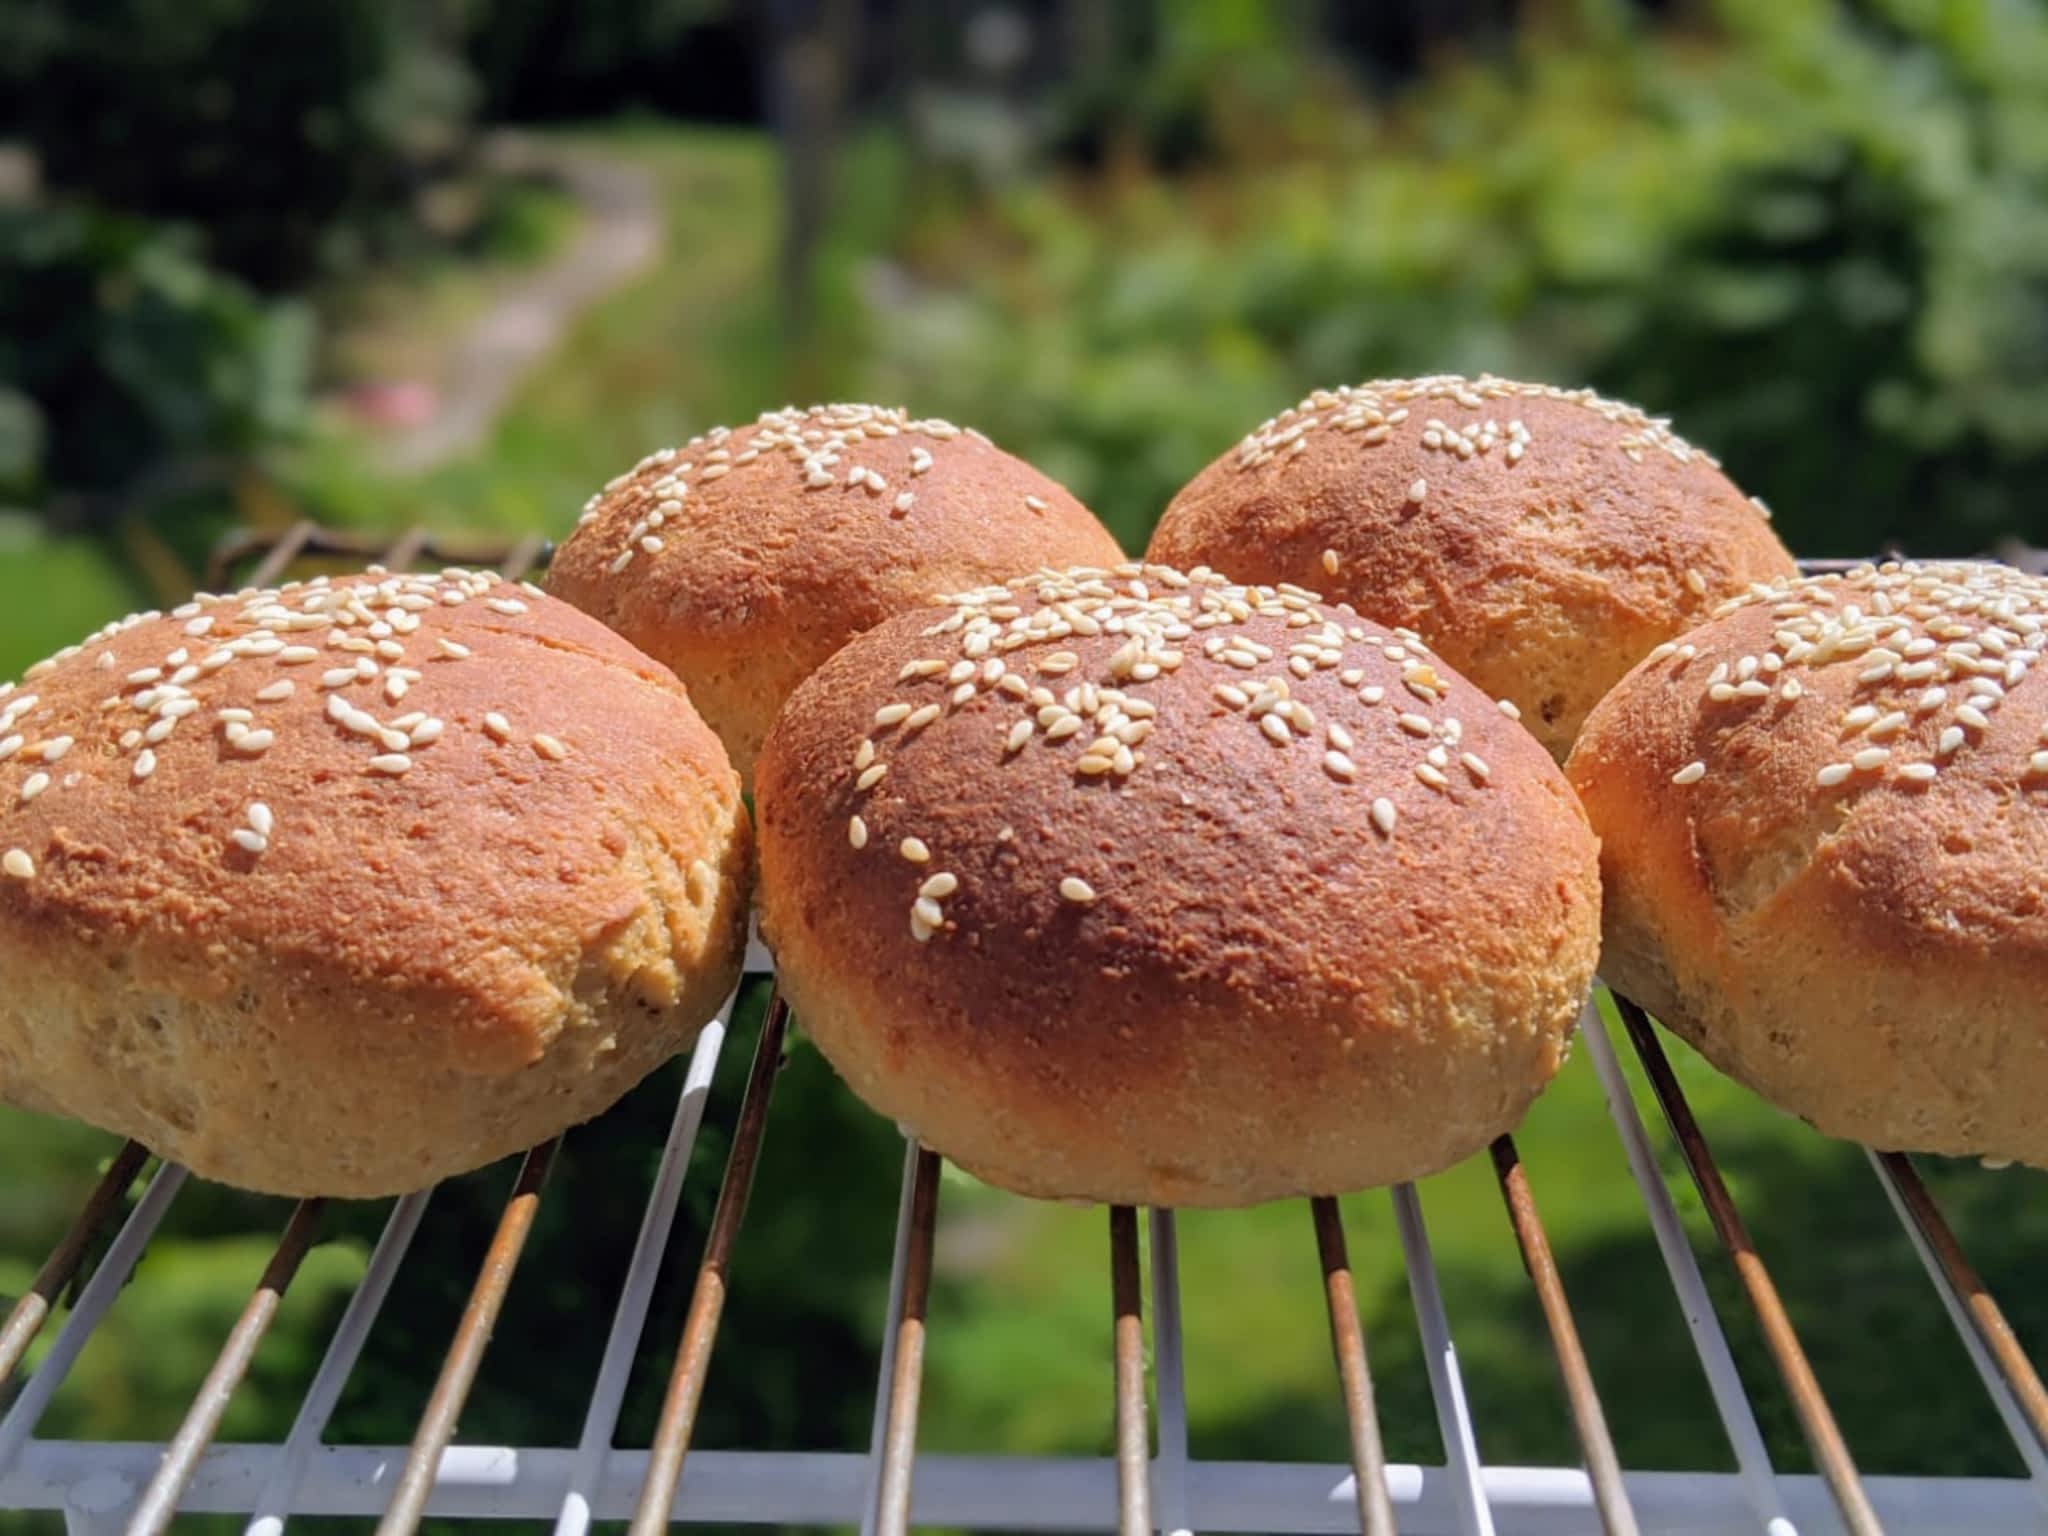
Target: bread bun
[[343, 888], [1824, 820], [1328, 926], [1541, 539], [744, 558]]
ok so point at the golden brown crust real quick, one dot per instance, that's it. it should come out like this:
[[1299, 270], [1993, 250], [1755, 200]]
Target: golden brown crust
[[480, 870], [769, 554], [1260, 992], [1838, 895], [1543, 558]]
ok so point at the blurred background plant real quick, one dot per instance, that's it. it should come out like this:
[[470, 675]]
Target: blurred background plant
[[458, 262]]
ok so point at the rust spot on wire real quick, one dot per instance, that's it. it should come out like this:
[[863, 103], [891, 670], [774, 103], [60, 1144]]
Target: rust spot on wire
[[1133, 1433], [1816, 1419], [1347, 1342], [1602, 1465], [26, 1320], [707, 1303], [899, 1445], [472, 1337], [159, 1503], [1989, 1323]]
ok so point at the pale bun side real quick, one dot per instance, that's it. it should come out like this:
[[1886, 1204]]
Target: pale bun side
[[346, 887], [1824, 824], [1126, 924], [745, 557], [1541, 539]]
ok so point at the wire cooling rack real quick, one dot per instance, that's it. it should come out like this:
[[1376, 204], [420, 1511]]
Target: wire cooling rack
[[1151, 1484]]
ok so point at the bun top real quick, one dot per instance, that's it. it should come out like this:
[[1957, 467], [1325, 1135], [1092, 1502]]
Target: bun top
[[1188, 791], [1541, 538], [1881, 736], [747, 556], [424, 782]]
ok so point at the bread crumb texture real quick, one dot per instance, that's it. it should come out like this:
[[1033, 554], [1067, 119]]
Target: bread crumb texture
[[746, 556], [1825, 828], [1135, 885], [342, 887], [1541, 539]]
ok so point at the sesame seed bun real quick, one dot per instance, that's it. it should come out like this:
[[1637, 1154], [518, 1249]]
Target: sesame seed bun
[[1138, 887], [343, 888], [1541, 539], [1825, 821], [746, 557]]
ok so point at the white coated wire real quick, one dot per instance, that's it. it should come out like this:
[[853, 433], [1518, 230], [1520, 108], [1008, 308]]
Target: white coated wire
[[274, 1505], [637, 1294], [1446, 1381], [93, 1301], [1170, 1503], [2023, 1437], [1731, 1401]]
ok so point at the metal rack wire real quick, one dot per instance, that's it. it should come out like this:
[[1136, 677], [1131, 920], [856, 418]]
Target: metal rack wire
[[1151, 1483]]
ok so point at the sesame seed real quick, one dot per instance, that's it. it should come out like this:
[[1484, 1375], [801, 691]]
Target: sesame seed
[[508, 606], [913, 849], [549, 748], [1073, 888], [497, 726], [1833, 774], [1418, 490], [454, 648], [1035, 503], [1695, 583], [35, 785], [1330, 561], [1339, 766], [250, 842], [1383, 816], [1691, 773], [1339, 737], [18, 864], [55, 748], [871, 776], [255, 743], [1477, 766], [1275, 726], [9, 747], [1431, 775], [857, 832], [891, 714], [1020, 733], [337, 677], [277, 692], [920, 717], [427, 732], [2038, 763], [927, 912], [1415, 725], [145, 763], [260, 818], [939, 886], [393, 763], [1918, 773]]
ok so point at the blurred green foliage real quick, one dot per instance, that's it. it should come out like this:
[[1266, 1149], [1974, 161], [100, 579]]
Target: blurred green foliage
[[128, 366], [1815, 234], [295, 135]]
